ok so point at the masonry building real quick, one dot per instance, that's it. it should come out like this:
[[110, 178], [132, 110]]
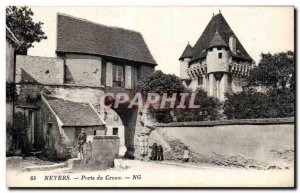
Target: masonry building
[[11, 45], [217, 63], [61, 95]]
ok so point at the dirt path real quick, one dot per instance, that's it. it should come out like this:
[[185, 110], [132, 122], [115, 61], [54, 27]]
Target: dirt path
[[148, 174]]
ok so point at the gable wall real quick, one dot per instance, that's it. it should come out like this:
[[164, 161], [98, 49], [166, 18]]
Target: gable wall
[[35, 69], [84, 70]]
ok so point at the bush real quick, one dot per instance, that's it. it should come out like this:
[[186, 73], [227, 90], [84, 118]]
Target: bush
[[18, 131], [281, 102], [160, 83], [209, 108], [247, 104], [250, 104], [161, 115]]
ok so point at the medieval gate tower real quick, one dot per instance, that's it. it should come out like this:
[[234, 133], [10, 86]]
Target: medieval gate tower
[[218, 63]]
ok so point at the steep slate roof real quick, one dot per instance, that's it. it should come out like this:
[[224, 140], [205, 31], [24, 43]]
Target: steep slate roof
[[187, 53], [82, 36], [217, 23], [74, 114], [217, 41]]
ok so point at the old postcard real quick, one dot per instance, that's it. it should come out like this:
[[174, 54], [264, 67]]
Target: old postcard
[[150, 97]]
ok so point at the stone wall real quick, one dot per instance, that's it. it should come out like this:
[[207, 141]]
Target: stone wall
[[99, 153], [48, 140], [29, 93], [183, 68], [215, 64], [236, 84], [73, 132], [83, 69], [106, 149], [76, 93], [42, 70], [264, 141], [10, 61]]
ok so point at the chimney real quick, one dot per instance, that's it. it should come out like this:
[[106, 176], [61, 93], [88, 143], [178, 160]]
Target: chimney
[[232, 44]]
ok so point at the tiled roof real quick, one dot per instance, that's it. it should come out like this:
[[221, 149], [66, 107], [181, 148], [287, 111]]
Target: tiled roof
[[82, 36], [187, 53], [74, 114], [217, 23]]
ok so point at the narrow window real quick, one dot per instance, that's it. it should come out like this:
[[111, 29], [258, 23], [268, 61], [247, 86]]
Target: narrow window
[[220, 55], [200, 80], [118, 75], [115, 130]]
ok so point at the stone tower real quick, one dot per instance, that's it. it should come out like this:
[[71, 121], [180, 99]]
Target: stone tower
[[218, 63], [184, 61]]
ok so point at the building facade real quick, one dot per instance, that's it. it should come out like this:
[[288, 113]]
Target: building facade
[[11, 45], [92, 59], [217, 63]]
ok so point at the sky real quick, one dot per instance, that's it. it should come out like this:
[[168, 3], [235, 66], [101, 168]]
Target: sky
[[167, 30]]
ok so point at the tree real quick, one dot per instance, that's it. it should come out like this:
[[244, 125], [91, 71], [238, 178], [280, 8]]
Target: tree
[[209, 108], [276, 75], [20, 22], [281, 102], [18, 131], [158, 82], [248, 104], [161, 83], [273, 71]]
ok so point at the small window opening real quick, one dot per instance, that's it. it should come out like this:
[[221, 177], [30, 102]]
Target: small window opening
[[200, 80], [115, 130], [220, 55]]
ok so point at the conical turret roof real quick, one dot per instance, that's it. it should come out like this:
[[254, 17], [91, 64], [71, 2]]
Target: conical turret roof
[[217, 41], [217, 24], [187, 53]]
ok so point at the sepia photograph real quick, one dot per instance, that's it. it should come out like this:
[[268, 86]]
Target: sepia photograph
[[150, 97]]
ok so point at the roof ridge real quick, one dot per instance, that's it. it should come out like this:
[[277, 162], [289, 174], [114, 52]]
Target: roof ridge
[[19, 55], [93, 22]]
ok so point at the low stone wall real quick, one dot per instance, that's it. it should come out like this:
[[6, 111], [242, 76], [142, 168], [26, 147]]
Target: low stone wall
[[270, 121], [98, 154], [266, 142]]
